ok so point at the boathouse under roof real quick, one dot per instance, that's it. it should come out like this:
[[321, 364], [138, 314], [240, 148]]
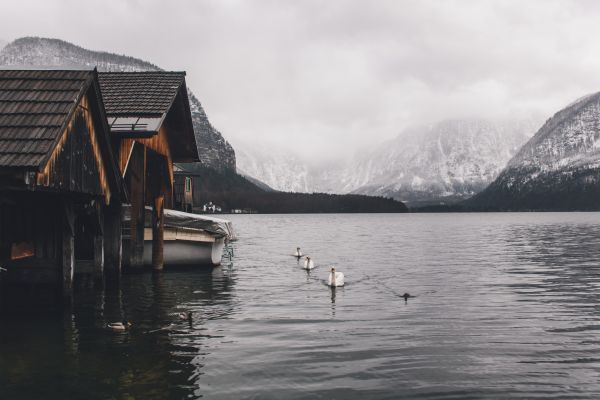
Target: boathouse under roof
[[60, 187], [151, 128]]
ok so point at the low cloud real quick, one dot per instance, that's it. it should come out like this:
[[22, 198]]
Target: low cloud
[[328, 78]]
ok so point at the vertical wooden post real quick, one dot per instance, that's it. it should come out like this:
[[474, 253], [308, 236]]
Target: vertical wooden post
[[98, 257], [68, 249], [158, 230], [138, 201], [113, 241]]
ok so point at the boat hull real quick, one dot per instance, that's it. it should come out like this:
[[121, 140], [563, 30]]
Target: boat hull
[[185, 253]]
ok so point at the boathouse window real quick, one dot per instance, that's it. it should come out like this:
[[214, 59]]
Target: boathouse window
[[21, 250], [188, 184]]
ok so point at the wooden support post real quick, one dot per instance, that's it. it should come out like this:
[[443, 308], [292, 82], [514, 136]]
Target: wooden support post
[[98, 257], [138, 197], [68, 249], [158, 230], [113, 241]]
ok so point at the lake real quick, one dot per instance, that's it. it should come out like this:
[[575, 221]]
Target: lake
[[506, 305]]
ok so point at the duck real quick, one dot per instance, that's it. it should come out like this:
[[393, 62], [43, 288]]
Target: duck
[[309, 264], [335, 279], [185, 316], [119, 326], [298, 252], [406, 296]]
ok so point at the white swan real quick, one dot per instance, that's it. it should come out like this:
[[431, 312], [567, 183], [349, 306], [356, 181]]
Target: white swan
[[298, 252], [335, 278], [309, 264]]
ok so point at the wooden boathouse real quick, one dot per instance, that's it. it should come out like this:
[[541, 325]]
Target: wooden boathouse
[[151, 128], [60, 187], [76, 147]]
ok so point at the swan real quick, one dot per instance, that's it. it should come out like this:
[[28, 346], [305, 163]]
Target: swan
[[119, 326], [309, 264], [298, 252], [335, 278]]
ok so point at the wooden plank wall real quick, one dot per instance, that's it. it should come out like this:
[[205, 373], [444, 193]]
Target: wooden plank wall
[[76, 165]]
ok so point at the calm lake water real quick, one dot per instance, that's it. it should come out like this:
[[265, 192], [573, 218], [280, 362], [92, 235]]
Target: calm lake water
[[506, 306]]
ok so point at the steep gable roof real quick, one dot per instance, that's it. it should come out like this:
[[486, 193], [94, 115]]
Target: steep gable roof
[[139, 93], [34, 108], [138, 104]]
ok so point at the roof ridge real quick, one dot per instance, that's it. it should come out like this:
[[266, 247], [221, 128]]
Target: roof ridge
[[141, 72]]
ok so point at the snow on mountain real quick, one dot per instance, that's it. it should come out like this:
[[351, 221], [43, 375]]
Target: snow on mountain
[[35, 52], [445, 162], [449, 161], [278, 169], [559, 168]]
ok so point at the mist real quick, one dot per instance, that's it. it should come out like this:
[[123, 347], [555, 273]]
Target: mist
[[328, 79]]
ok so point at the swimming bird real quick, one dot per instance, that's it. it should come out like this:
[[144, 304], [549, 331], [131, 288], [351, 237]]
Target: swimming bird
[[119, 326], [406, 297], [298, 252], [335, 278], [309, 264], [185, 316]]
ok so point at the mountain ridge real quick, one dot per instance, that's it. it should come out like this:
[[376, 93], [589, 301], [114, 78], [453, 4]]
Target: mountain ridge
[[557, 169]]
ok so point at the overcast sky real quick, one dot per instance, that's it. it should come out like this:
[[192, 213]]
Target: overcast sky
[[331, 76]]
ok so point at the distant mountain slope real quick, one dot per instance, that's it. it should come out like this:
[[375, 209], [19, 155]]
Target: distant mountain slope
[[558, 169], [3, 43], [445, 162], [214, 150], [232, 191], [449, 161], [278, 169]]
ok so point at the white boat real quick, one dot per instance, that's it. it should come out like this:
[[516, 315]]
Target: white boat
[[189, 239]]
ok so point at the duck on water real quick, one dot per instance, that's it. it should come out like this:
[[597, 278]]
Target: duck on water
[[119, 326]]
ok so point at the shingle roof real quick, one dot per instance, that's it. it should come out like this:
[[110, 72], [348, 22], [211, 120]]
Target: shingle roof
[[139, 93], [34, 105]]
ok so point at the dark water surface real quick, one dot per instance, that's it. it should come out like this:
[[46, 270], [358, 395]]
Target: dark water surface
[[506, 306]]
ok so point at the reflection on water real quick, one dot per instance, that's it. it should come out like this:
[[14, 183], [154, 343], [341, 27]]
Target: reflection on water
[[74, 355], [505, 306]]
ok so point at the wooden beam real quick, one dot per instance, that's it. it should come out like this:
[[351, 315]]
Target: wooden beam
[[68, 249], [113, 241], [158, 230], [98, 257], [138, 196]]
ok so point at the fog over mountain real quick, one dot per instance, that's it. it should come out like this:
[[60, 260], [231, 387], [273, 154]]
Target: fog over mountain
[[444, 162], [330, 77]]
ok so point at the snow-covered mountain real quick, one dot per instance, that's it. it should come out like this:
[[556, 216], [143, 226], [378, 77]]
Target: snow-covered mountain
[[445, 162], [281, 170], [214, 150], [559, 168]]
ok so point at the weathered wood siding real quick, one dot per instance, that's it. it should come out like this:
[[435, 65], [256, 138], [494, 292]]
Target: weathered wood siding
[[76, 165]]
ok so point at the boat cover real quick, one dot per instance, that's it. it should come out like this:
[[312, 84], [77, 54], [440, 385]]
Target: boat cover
[[179, 219]]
